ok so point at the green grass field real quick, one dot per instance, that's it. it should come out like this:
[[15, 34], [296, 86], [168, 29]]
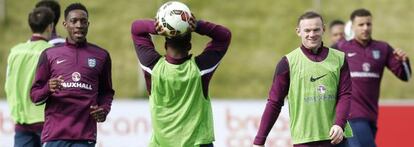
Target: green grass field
[[263, 31]]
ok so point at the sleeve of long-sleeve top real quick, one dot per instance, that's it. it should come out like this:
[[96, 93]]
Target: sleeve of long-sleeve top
[[277, 94], [343, 102], [105, 91], [39, 92], [401, 69]]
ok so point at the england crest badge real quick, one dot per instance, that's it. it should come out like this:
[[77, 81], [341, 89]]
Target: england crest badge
[[321, 89], [91, 62], [376, 54]]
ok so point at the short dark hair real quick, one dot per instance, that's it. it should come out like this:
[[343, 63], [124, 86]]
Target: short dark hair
[[309, 15], [179, 42], [75, 6], [360, 13], [52, 5], [40, 18], [336, 22]]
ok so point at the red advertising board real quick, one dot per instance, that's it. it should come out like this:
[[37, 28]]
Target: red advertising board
[[395, 125]]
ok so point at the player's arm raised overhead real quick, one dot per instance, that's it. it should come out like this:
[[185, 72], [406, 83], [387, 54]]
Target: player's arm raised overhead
[[40, 90], [398, 63], [214, 51], [209, 59], [277, 94], [144, 47]]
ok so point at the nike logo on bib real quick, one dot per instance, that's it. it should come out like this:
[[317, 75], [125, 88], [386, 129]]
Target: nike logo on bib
[[317, 78]]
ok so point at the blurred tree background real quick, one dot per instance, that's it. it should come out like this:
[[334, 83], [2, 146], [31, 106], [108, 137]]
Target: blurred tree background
[[263, 31]]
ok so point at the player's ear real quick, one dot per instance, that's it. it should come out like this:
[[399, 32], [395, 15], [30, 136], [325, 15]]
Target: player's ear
[[298, 31], [352, 25], [50, 26], [64, 23], [323, 28], [49, 30]]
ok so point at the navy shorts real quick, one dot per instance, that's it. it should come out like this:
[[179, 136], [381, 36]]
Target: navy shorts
[[364, 133], [69, 143], [24, 139]]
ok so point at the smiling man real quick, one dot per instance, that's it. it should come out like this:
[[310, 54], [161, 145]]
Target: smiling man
[[74, 80], [316, 81]]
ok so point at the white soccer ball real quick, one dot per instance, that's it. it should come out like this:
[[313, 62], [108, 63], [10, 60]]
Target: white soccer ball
[[174, 17]]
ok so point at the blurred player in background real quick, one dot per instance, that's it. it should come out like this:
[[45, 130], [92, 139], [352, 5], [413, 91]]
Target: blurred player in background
[[336, 32], [74, 80], [316, 81], [178, 83], [367, 59], [21, 67], [55, 7]]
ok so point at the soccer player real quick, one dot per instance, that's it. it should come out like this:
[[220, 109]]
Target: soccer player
[[21, 67], [336, 32], [367, 59], [55, 7], [178, 83], [74, 80], [315, 80]]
